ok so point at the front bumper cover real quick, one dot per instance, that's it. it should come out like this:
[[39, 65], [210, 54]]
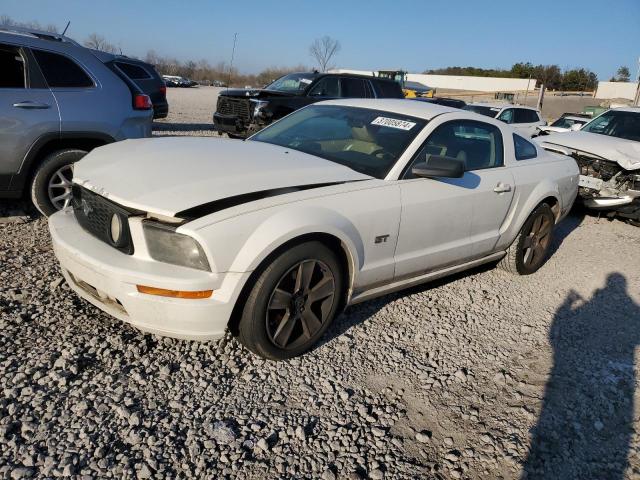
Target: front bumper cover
[[107, 278]]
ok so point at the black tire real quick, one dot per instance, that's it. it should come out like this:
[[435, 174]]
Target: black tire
[[263, 323], [51, 164], [530, 250]]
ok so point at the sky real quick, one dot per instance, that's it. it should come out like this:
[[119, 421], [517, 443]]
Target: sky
[[374, 34]]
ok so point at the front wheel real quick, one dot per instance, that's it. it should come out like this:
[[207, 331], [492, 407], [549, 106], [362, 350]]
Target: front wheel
[[293, 302], [531, 247]]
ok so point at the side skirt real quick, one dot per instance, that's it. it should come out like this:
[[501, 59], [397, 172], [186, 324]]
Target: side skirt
[[424, 278]]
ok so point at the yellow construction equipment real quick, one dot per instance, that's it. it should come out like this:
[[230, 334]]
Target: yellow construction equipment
[[410, 89]]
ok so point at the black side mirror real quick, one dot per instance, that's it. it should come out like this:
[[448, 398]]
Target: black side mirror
[[437, 166]]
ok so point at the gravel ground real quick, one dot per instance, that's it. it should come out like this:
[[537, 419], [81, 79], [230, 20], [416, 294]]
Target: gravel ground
[[482, 375]]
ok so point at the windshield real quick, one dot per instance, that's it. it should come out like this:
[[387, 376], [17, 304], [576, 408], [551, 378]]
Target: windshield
[[293, 83], [367, 141], [482, 110], [565, 122], [614, 123]]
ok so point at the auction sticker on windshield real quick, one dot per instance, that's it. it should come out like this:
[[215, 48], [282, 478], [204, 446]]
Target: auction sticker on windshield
[[393, 123]]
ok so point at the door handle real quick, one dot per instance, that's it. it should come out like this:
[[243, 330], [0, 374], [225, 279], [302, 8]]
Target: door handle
[[31, 105], [502, 188]]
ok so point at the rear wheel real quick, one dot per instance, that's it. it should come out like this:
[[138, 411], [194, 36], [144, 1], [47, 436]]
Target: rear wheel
[[530, 249], [293, 302], [51, 185]]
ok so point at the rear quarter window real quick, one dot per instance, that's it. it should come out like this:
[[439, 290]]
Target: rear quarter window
[[524, 148], [134, 72], [61, 72]]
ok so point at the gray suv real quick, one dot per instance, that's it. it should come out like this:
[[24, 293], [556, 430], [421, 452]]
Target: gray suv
[[59, 100]]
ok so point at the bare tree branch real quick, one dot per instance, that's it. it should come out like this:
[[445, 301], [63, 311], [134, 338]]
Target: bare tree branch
[[98, 42], [323, 49]]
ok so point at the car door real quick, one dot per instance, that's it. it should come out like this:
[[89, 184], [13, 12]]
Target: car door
[[447, 221], [28, 110], [326, 88], [85, 106]]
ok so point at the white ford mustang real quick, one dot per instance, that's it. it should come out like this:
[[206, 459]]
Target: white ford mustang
[[336, 203]]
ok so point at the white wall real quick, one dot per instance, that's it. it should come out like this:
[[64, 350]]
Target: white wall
[[617, 90], [480, 84]]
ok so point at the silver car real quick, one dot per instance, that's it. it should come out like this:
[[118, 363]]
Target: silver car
[[58, 101]]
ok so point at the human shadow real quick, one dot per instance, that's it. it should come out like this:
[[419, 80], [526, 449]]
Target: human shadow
[[586, 423]]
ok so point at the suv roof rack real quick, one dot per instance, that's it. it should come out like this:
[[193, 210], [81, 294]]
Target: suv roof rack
[[41, 34]]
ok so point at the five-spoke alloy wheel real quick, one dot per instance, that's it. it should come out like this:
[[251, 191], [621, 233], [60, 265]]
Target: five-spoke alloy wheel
[[531, 247], [293, 301]]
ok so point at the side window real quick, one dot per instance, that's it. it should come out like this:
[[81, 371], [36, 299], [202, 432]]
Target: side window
[[13, 68], [354, 88], [478, 144], [388, 89], [327, 87], [506, 116], [134, 72], [524, 115], [60, 71], [524, 148]]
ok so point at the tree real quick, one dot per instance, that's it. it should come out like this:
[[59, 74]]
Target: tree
[[323, 49], [623, 75], [579, 79], [98, 42], [7, 21]]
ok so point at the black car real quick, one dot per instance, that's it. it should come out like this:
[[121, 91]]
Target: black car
[[146, 78], [447, 102], [242, 112]]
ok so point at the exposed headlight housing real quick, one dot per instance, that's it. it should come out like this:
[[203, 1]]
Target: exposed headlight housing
[[258, 107], [166, 245]]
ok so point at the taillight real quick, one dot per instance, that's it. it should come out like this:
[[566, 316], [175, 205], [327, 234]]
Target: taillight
[[163, 90], [142, 102]]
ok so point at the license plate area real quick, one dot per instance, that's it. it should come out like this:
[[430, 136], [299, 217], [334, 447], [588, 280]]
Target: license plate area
[[590, 182]]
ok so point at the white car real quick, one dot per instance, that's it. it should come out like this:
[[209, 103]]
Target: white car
[[336, 203], [607, 150], [566, 123], [525, 120]]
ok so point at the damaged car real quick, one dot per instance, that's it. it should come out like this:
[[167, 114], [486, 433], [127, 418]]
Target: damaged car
[[243, 112], [607, 150], [335, 204]]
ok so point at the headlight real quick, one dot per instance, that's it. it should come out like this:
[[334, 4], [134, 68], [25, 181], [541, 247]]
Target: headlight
[[258, 106], [166, 245]]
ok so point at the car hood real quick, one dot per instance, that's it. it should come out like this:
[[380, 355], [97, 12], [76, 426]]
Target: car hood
[[169, 175], [624, 152]]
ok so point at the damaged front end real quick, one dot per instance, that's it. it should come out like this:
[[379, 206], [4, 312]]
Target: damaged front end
[[605, 185]]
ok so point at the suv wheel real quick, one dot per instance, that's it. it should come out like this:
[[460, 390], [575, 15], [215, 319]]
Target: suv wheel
[[51, 185], [293, 302]]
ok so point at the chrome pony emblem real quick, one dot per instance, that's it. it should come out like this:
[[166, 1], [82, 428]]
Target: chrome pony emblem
[[86, 208]]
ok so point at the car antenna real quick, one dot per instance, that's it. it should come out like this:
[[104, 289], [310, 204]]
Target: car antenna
[[233, 52], [65, 28]]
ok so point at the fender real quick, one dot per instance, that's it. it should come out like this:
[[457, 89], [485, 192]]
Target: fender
[[33, 154], [291, 223]]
